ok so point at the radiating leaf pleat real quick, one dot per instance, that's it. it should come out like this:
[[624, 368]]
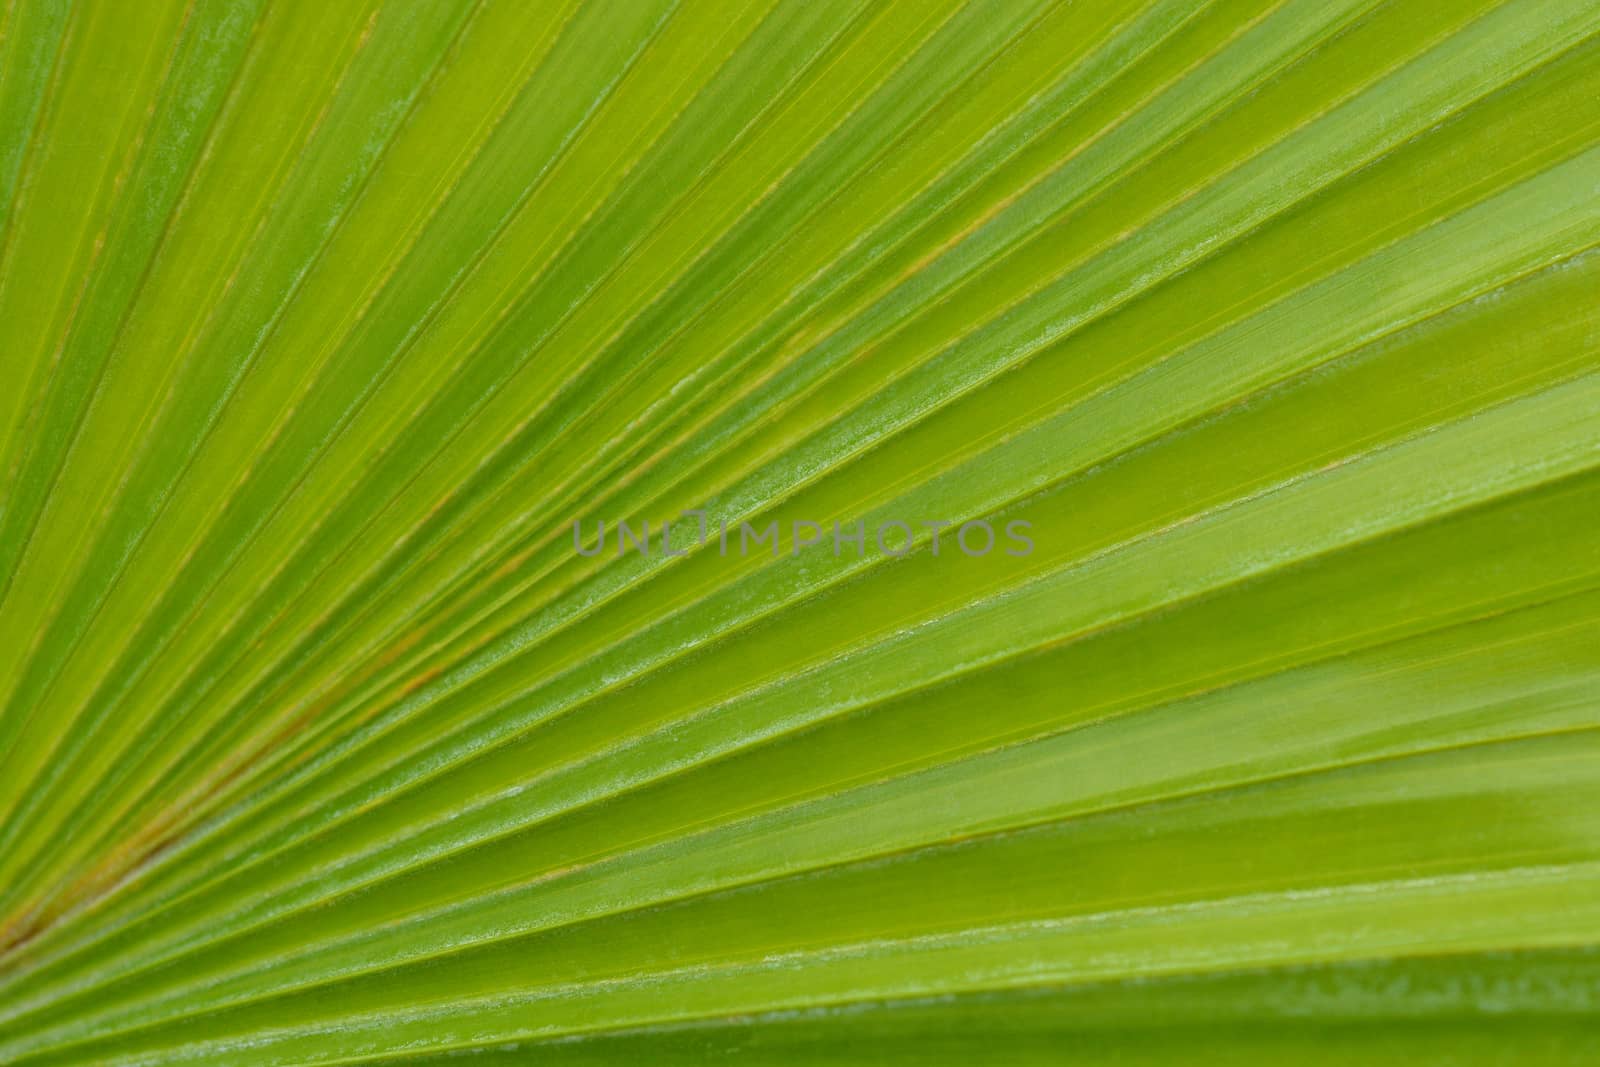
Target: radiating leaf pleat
[[324, 739]]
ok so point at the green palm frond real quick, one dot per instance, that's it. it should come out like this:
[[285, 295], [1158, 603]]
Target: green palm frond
[[1175, 430]]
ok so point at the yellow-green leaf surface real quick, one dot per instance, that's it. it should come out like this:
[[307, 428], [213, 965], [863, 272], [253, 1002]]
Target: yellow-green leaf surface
[[332, 330]]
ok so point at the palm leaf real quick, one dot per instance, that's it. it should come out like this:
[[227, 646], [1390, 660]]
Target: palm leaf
[[332, 333]]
